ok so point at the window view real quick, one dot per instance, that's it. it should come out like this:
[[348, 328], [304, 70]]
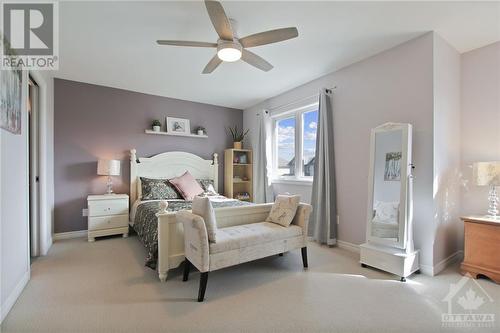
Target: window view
[[285, 147], [310, 124]]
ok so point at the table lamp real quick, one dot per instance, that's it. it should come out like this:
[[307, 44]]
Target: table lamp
[[108, 168], [488, 174]]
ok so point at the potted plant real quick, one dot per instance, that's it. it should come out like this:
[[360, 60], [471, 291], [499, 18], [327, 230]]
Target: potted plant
[[156, 125], [201, 130], [237, 135]]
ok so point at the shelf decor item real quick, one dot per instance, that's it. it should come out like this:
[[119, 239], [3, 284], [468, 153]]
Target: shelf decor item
[[237, 135], [156, 125], [108, 168], [178, 125], [488, 174], [201, 130]]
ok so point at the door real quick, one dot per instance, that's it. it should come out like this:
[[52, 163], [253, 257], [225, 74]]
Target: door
[[34, 188]]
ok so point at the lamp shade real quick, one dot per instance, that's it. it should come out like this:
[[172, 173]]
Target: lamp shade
[[108, 167], [487, 173]]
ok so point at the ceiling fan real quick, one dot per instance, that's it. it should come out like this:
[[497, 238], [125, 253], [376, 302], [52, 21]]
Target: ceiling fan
[[229, 46]]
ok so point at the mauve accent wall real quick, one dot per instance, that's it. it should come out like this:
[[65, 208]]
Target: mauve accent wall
[[93, 122]]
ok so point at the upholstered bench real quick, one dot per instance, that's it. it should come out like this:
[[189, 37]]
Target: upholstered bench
[[240, 242]]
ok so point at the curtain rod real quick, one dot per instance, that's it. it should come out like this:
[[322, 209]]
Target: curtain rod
[[329, 90]]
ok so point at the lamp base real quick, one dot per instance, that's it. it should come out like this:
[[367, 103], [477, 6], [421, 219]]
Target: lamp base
[[110, 186], [493, 199]]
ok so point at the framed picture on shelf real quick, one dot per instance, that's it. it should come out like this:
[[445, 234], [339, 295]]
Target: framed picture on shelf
[[178, 125]]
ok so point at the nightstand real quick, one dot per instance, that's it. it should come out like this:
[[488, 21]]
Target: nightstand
[[108, 215], [482, 247]]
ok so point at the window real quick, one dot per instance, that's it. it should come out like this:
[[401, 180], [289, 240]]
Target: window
[[295, 140]]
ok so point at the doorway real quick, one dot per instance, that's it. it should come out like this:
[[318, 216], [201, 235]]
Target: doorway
[[34, 168]]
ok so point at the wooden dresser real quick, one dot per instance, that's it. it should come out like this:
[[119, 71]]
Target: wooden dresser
[[482, 247]]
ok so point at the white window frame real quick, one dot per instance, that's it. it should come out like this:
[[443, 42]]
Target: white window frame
[[297, 113]]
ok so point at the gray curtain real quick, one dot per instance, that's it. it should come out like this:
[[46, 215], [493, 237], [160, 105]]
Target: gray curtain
[[262, 189], [322, 223]]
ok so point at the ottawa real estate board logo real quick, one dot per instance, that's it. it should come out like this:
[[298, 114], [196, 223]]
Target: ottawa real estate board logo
[[30, 35], [469, 305]]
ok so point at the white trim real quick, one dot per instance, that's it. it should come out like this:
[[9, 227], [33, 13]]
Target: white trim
[[14, 295], [70, 235], [295, 181], [348, 246], [440, 266]]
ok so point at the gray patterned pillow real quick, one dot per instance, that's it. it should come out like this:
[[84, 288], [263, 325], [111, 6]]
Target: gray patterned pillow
[[158, 189], [207, 185]]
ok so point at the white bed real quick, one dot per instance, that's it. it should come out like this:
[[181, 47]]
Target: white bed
[[170, 233]]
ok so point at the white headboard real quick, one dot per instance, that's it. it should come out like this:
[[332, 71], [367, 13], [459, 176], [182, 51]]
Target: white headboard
[[170, 165]]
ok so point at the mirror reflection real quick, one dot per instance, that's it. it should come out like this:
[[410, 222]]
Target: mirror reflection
[[387, 185]]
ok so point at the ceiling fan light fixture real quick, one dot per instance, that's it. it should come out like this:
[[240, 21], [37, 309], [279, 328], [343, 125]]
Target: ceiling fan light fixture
[[229, 51]]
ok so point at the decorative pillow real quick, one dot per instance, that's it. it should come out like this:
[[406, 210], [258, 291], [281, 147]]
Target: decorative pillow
[[203, 207], [207, 185], [157, 189], [386, 212], [187, 186], [284, 209]]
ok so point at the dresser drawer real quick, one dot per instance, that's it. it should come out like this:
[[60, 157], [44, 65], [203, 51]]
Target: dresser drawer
[[108, 222], [108, 207]]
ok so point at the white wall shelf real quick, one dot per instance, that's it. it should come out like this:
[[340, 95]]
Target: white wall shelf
[[176, 134]]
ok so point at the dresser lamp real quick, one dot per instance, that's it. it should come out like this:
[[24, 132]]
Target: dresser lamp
[[108, 168], [488, 174]]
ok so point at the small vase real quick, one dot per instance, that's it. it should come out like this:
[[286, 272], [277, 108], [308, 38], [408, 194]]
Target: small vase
[[200, 132], [156, 128], [237, 145]]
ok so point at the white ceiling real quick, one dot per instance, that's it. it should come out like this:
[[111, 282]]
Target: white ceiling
[[113, 43]]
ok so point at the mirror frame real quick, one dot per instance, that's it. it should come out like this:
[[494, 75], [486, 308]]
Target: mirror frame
[[406, 143]]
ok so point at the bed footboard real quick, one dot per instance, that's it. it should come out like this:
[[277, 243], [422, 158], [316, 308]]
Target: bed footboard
[[170, 244]]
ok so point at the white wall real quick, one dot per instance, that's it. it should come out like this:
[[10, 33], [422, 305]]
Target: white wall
[[480, 123], [446, 227], [395, 85], [14, 256]]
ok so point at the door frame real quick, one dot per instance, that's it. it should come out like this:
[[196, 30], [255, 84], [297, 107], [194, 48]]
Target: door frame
[[45, 153], [34, 166]]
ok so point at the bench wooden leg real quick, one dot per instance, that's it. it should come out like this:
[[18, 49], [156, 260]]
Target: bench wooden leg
[[187, 266], [304, 256], [203, 286]]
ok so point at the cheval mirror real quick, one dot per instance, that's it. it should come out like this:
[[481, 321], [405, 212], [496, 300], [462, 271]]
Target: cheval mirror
[[389, 234]]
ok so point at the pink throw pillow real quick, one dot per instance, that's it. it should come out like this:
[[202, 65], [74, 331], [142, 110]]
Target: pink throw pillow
[[187, 186]]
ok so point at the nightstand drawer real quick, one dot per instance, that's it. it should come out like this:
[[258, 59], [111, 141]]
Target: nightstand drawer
[[108, 222], [108, 207]]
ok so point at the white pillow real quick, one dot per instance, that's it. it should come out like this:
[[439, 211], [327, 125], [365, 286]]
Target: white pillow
[[386, 211], [203, 207], [284, 209]]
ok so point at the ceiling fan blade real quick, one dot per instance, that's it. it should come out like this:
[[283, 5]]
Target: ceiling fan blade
[[186, 43], [219, 19], [268, 37], [212, 65], [256, 61]]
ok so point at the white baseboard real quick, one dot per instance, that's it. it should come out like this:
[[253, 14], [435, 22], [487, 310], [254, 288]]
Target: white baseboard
[[348, 246], [70, 234], [14, 295], [440, 266]]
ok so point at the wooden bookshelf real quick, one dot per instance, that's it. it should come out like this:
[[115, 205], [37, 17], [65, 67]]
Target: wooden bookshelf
[[238, 173]]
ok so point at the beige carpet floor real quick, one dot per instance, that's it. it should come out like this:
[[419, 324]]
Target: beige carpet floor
[[104, 287]]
